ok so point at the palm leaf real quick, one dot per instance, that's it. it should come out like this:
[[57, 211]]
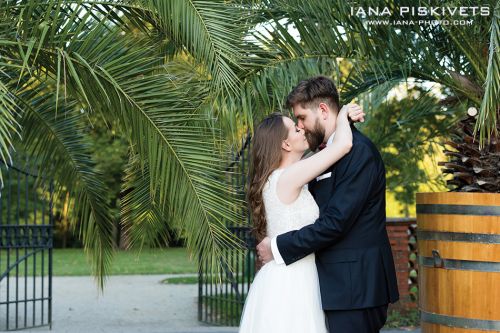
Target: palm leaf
[[490, 106], [453, 56], [161, 112], [211, 31], [122, 77], [57, 144], [9, 126], [143, 219]]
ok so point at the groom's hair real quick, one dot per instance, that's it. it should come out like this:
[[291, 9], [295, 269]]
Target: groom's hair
[[309, 93]]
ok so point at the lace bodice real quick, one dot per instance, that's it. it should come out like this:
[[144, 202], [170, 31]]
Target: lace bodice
[[285, 217]]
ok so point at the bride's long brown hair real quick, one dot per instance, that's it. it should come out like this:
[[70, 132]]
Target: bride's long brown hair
[[265, 158]]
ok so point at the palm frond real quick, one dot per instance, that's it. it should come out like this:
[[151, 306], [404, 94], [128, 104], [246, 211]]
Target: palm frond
[[144, 220], [264, 90], [211, 31], [58, 145], [162, 113], [425, 49], [86, 60], [9, 126], [490, 106], [183, 164]]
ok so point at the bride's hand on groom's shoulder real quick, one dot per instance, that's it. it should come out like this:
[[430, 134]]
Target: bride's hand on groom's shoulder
[[264, 252], [354, 112]]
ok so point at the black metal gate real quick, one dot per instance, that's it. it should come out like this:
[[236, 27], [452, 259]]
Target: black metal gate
[[222, 303], [26, 230]]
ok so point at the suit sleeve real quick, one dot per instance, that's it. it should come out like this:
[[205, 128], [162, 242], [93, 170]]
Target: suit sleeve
[[356, 174]]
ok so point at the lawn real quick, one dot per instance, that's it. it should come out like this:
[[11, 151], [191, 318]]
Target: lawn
[[74, 262]]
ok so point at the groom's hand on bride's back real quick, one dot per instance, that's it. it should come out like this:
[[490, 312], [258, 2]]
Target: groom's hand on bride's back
[[264, 252]]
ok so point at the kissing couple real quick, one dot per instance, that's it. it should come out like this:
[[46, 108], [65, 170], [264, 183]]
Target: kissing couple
[[320, 220]]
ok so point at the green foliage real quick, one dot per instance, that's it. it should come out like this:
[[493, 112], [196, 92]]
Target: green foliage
[[181, 280], [110, 152], [490, 106], [406, 129], [182, 82], [69, 64], [227, 309], [453, 56], [74, 262], [9, 126], [397, 319]]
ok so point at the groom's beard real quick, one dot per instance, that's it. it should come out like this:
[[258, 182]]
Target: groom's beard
[[316, 136]]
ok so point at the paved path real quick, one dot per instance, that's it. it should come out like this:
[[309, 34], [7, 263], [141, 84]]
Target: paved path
[[133, 303]]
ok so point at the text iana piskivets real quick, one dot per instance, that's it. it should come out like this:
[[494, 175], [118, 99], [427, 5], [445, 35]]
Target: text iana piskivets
[[421, 11]]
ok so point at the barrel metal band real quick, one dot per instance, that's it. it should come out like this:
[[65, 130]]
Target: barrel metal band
[[464, 265], [451, 321], [458, 237], [458, 209]]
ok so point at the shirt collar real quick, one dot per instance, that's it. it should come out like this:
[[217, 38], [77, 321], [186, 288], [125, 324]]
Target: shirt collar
[[330, 139]]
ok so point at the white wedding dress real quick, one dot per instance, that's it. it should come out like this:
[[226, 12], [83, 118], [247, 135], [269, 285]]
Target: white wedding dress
[[285, 299]]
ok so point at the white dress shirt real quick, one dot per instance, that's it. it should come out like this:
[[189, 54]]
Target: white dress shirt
[[274, 246]]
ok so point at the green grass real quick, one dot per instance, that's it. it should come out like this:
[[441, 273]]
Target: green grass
[[396, 319], [181, 280], [74, 262], [194, 280], [225, 310]]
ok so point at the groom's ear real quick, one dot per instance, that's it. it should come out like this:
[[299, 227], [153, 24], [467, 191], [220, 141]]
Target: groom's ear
[[325, 110]]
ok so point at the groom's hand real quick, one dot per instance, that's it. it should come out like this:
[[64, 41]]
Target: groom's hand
[[264, 252]]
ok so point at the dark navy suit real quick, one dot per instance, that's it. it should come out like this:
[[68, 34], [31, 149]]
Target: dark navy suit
[[353, 254]]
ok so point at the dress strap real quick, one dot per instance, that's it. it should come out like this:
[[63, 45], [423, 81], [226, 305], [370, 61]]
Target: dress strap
[[275, 175], [273, 187]]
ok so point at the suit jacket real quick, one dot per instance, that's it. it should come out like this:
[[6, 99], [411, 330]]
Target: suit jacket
[[353, 253]]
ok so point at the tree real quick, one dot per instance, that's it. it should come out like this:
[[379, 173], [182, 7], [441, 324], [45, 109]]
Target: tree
[[406, 129], [462, 62], [153, 67], [184, 81]]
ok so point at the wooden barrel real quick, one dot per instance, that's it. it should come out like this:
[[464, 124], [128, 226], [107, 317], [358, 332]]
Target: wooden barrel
[[458, 237]]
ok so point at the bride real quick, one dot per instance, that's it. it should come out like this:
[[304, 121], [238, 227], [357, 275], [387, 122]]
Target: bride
[[286, 299]]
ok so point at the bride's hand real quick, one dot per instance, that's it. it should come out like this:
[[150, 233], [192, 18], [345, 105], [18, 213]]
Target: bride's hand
[[354, 112]]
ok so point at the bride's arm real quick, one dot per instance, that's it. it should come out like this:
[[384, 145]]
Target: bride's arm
[[302, 172]]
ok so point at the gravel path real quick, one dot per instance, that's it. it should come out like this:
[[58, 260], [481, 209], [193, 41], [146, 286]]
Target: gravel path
[[132, 303]]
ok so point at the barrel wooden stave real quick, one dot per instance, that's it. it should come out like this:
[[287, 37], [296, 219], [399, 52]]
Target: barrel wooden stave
[[435, 328], [461, 250], [459, 223], [467, 294], [459, 198], [471, 301]]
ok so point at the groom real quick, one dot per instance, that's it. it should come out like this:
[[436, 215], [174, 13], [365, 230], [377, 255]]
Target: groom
[[353, 255]]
